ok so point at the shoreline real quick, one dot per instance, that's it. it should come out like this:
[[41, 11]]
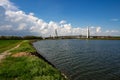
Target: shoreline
[[27, 64], [40, 56]]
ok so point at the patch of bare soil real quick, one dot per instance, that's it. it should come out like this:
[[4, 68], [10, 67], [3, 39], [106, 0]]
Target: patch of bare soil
[[7, 52], [20, 54]]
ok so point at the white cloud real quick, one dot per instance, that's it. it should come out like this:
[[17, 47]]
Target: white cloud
[[62, 22], [115, 31], [111, 31], [98, 29], [8, 5], [107, 31], [16, 22], [115, 19]]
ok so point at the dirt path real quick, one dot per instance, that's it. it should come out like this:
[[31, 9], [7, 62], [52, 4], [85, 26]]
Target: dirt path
[[7, 52]]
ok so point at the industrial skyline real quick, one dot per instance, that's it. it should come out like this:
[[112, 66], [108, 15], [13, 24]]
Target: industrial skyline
[[87, 33]]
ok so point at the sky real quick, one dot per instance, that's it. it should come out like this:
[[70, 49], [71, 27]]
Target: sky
[[69, 17]]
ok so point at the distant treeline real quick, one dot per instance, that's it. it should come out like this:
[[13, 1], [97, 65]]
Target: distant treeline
[[58, 37], [19, 37]]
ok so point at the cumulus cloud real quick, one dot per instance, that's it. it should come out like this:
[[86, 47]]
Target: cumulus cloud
[[111, 31], [98, 29], [115, 19], [62, 22], [8, 5], [16, 22]]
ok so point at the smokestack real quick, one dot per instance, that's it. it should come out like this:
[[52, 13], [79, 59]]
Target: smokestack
[[88, 33]]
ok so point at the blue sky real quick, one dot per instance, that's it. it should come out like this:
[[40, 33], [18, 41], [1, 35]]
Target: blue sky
[[69, 17], [79, 13]]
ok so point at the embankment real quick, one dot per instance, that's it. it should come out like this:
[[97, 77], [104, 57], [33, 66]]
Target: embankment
[[41, 57]]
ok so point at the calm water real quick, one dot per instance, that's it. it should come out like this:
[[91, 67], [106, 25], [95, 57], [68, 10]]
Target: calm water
[[83, 59]]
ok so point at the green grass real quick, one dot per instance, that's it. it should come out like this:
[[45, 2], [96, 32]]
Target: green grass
[[8, 44], [24, 47], [27, 67]]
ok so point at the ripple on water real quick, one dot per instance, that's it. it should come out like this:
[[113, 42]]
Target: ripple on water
[[83, 60]]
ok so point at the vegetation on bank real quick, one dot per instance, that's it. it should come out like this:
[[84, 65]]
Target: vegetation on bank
[[24, 47], [7, 44], [27, 67], [19, 37]]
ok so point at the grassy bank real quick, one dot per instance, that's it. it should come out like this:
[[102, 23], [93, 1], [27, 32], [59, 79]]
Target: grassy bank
[[7, 44], [24, 47], [27, 67]]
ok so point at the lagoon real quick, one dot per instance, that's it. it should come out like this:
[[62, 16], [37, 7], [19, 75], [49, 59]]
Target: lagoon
[[83, 59]]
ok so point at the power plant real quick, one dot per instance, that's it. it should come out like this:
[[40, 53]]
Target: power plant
[[85, 36], [75, 36]]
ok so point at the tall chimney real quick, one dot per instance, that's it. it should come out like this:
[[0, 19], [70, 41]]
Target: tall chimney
[[88, 33]]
